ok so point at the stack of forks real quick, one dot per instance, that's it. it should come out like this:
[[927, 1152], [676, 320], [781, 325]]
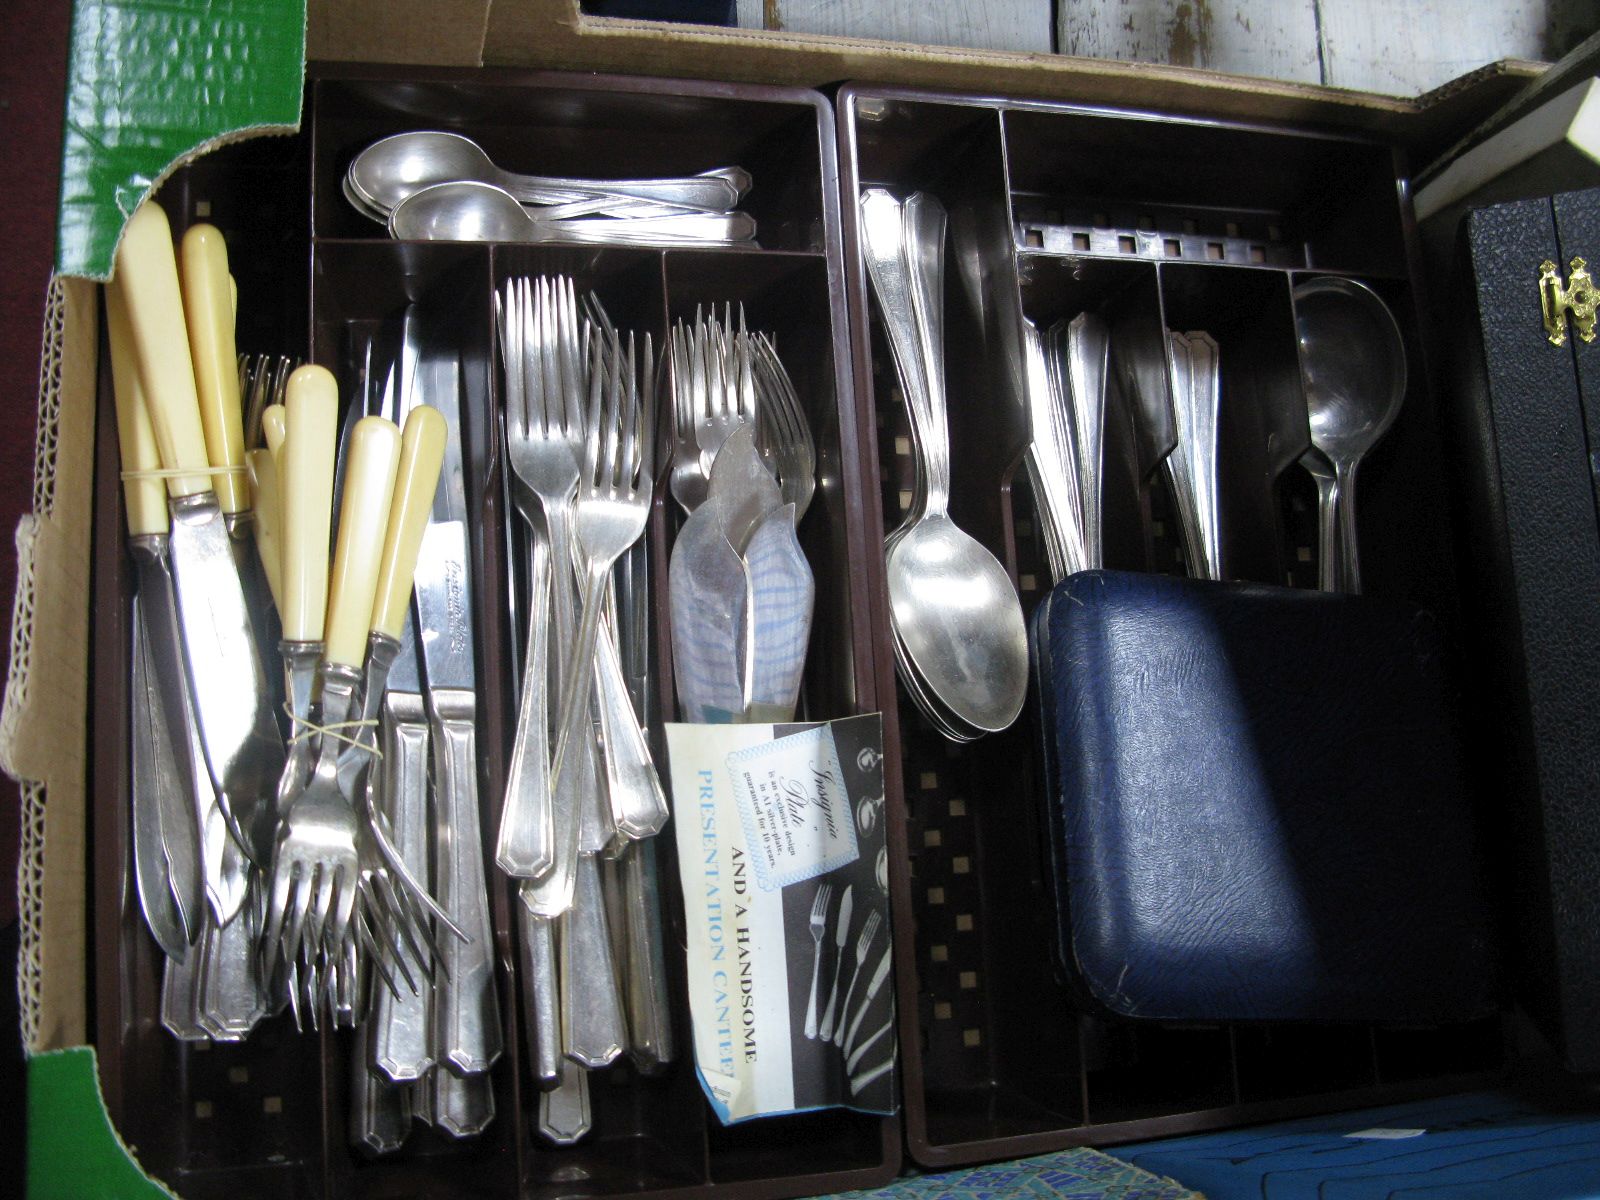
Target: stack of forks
[[582, 794], [342, 900], [743, 469]]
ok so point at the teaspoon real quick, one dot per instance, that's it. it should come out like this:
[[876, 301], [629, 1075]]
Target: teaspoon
[[392, 168], [481, 212]]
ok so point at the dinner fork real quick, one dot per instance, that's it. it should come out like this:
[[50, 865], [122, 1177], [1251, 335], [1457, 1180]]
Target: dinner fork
[[542, 424], [819, 932], [863, 948], [687, 480], [613, 493], [722, 381], [782, 434]]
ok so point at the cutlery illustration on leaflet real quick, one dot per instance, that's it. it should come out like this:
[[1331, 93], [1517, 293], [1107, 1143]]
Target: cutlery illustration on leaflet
[[841, 1023]]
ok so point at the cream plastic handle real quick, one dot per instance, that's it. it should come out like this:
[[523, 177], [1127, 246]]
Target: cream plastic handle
[[368, 485], [274, 429], [145, 499], [264, 498], [305, 485], [208, 292], [421, 455], [147, 272]]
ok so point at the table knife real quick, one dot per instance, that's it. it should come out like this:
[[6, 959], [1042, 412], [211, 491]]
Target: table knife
[[466, 1010]]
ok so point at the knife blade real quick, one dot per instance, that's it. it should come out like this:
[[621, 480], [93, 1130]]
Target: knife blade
[[153, 773], [466, 1011], [171, 793], [243, 747]]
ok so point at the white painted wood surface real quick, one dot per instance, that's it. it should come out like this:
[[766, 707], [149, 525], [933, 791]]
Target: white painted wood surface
[[981, 24], [1272, 38], [1399, 47], [1405, 47]]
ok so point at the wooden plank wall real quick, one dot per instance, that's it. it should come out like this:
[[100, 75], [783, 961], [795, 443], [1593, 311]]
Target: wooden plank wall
[[1399, 47]]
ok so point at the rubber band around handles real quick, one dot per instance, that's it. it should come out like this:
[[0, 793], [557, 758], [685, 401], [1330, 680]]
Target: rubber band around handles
[[307, 727]]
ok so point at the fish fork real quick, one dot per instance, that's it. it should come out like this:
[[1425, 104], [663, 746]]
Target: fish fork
[[819, 932], [687, 480], [863, 948], [316, 867]]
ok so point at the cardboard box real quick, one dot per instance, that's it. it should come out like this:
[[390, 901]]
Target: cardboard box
[[42, 729]]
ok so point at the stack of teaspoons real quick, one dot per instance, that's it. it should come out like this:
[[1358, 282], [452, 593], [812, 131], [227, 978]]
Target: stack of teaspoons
[[219, 810]]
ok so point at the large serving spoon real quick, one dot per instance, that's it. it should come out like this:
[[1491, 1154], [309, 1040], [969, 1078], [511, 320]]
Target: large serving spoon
[[481, 212], [1353, 364], [956, 614], [391, 169]]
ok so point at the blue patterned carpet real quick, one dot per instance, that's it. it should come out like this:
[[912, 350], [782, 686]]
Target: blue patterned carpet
[[1066, 1175]]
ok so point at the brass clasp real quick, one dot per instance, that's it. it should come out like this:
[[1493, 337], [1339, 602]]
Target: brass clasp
[[1579, 295]]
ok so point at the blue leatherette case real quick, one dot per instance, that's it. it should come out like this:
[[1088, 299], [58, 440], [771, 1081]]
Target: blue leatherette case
[[1255, 805]]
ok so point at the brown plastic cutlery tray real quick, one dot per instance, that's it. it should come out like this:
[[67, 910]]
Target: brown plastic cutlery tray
[[268, 1117], [1056, 210]]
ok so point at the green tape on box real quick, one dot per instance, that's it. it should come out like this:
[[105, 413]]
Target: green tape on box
[[151, 84], [73, 1151]]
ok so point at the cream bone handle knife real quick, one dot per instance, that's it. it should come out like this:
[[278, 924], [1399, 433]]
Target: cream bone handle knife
[[238, 730], [169, 798]]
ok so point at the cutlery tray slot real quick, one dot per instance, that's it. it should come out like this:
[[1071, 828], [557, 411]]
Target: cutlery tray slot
[[1136, 509], [1262, 423], [269, 1116], [783, 295], [998, 1059], [581, 126], [1123, 184]]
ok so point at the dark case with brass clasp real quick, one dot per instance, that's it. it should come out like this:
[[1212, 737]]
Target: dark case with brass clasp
[[1525, 363]]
